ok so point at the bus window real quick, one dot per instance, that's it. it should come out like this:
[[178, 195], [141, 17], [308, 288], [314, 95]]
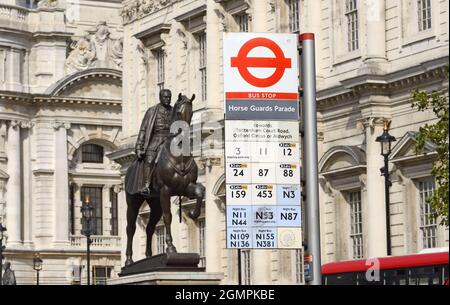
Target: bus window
[[430, 275], [341, 279], [396, 277], [363, 280]]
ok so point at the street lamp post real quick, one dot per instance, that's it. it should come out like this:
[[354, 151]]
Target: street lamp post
[[2, 230], [37, 266], [87, 210], [386, 141]]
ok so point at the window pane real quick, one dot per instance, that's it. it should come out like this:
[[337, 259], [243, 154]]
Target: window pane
[[351, 13], [201, 242], [356, 234], [159, 54], [428, 224], [299, 272], [92, 153], [202, 69], [114, 213], [101, 274], [294, 22], [246, 266], [95, 197], [242, 21], [424, 14], [160, 240]]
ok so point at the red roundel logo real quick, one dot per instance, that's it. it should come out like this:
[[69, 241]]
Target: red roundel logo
[[243, 62]]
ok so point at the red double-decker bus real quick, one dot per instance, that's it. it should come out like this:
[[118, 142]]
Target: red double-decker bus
[[417, 269]]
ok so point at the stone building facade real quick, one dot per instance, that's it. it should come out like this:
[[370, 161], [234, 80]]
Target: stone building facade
[[370, 55], [73, 93], [60, 115]]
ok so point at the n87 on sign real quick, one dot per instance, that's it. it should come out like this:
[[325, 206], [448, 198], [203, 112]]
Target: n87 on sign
[[262, 144]]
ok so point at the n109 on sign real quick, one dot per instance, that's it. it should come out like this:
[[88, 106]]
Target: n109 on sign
[[239, 238]]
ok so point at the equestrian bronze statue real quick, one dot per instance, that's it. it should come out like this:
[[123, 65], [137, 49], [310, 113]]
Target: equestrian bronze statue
[[159, 172]]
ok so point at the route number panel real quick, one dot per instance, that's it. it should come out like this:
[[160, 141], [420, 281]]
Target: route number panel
[[262, 141]]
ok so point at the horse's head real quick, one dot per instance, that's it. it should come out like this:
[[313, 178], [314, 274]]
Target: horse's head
[[182, 110]]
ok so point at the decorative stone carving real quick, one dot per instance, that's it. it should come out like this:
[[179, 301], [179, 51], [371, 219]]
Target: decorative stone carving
[[209, 162], [222, 19], [47, 3], [370, 122], [95, 50], [136, 9], [81, 57], [183, 38], [56, 125], [3, 133], [140, 47], [363, 180], [21, 124], [115, 166], [118, 188], [326, 186]]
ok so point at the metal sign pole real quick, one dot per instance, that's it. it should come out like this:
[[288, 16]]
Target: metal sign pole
[[308, 77]]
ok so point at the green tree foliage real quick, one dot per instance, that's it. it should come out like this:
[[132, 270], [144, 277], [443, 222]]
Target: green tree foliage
[[436, 133]]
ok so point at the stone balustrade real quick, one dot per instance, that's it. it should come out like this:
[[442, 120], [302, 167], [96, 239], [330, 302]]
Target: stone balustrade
[[13, 17], [99, 242]]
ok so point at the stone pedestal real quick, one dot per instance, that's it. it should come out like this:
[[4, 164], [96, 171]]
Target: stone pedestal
[[167, 269]]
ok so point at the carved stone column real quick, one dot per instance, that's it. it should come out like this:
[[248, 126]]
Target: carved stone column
[[375, 61], [61, 195], [27, 185], [214, 55], [3, 134], [376, 209], [106, 210], [212, 216], [77, 208], [259, 17], [13, 197]]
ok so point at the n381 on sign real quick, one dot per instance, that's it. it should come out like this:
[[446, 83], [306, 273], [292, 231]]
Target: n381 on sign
[[265, 238]]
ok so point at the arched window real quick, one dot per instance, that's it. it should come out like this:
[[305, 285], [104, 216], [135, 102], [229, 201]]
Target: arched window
[[92, 153]]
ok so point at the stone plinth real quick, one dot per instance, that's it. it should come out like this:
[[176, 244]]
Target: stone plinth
[[170, 278], [167, 269]]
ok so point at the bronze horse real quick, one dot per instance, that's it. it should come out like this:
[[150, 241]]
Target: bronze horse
[[173, 176]]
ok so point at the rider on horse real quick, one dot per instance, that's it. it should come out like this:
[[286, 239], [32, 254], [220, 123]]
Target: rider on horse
[[154, 130]]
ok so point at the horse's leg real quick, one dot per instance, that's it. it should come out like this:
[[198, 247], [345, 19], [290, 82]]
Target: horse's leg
[[165, 205], [155, 216], [197, 191], [133, 204]]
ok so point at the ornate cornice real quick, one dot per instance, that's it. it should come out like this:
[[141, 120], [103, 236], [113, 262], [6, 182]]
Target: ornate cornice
[[52, 100], [133, 10], [75, 78], [57, 124], [47, 4], [385, 85], [21, 124]]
